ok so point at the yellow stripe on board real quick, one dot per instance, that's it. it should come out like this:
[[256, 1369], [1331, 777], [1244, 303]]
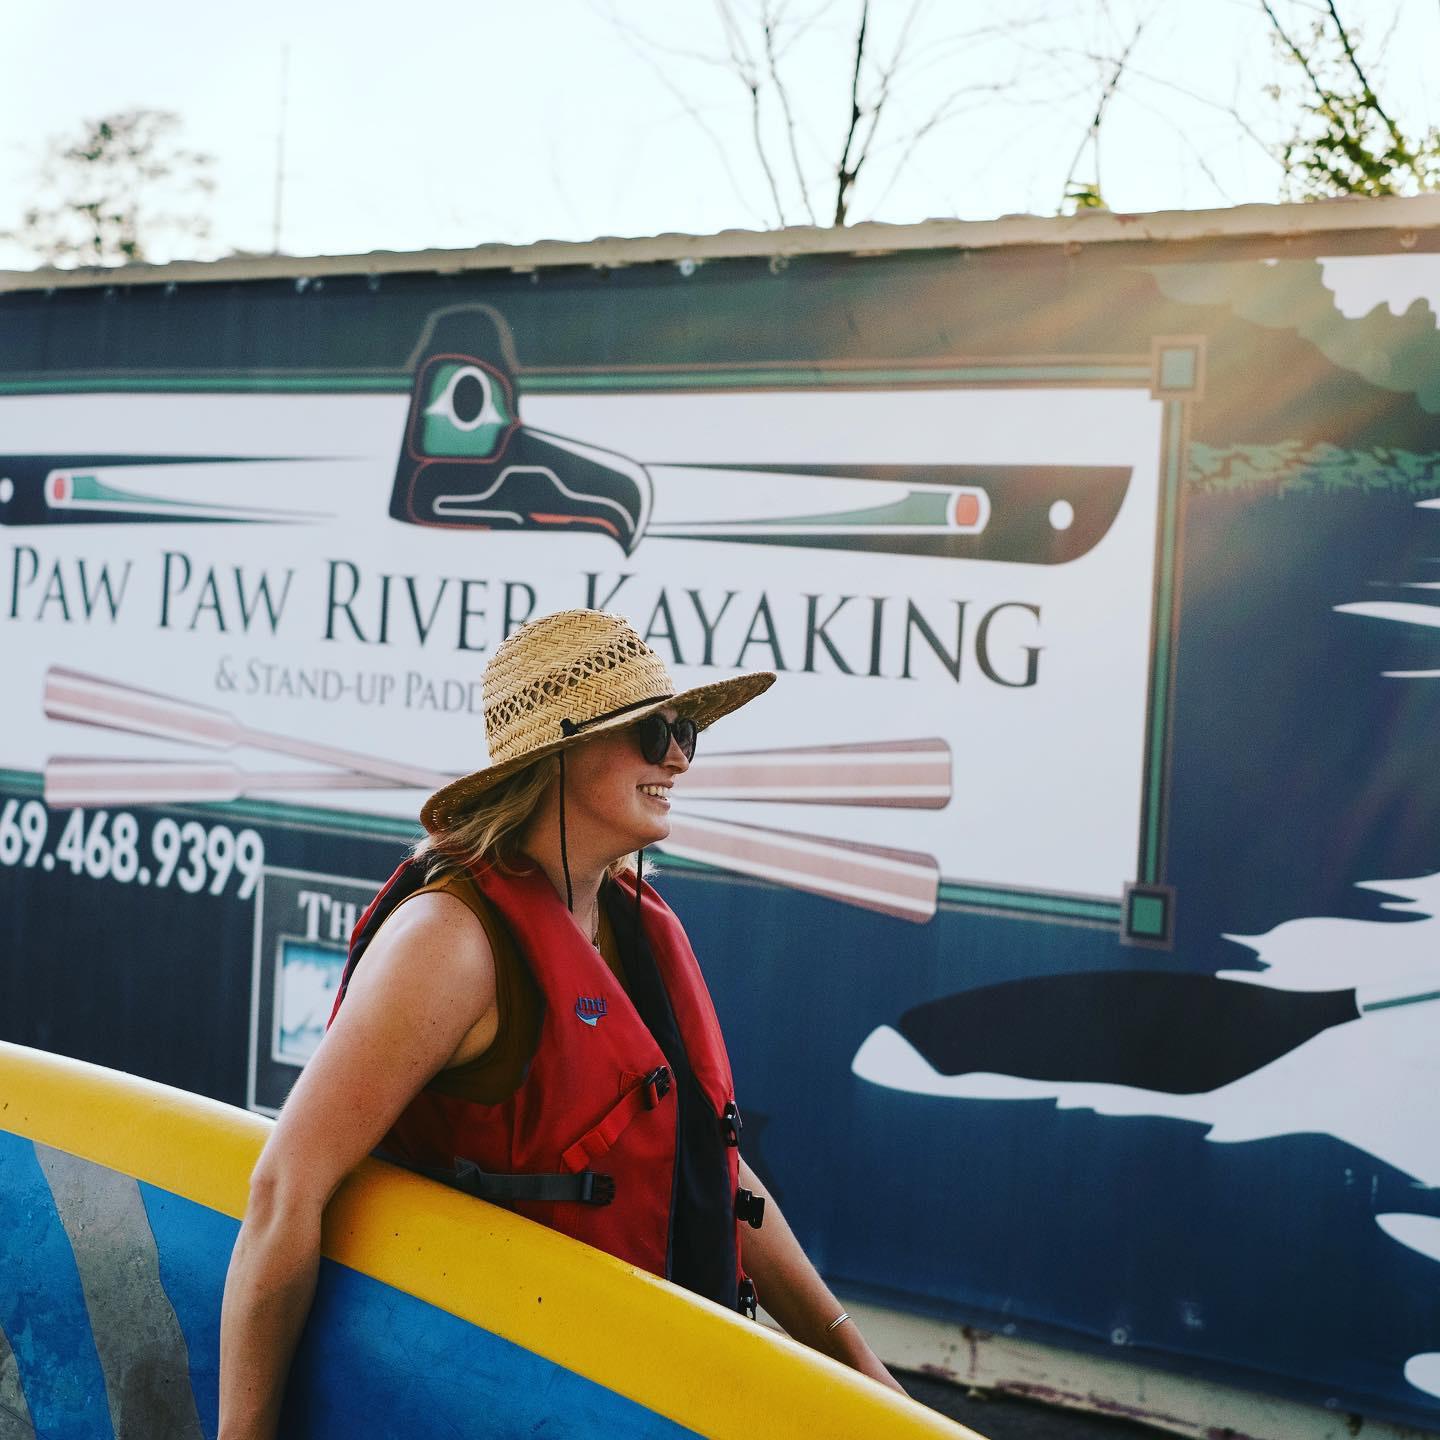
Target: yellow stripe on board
[[679, 1356]]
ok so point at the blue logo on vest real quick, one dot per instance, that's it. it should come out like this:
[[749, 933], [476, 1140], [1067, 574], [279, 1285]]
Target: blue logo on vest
[[590, 1008]]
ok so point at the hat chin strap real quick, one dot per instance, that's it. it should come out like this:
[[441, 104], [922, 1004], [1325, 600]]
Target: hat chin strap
[[564, 853], [639, 875], [574, 727], [565, 862]]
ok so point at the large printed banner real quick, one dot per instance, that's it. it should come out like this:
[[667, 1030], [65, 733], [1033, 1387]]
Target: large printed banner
[[336, 646], [1103, 717]]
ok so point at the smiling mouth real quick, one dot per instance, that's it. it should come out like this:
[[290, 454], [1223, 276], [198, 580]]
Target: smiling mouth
[[659, 793]]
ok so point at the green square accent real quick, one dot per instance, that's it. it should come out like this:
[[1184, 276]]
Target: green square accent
[[1177, 369], [1147, 916]]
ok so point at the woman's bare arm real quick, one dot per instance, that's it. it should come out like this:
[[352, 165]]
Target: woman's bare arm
[[791, 1289], [427, 982]]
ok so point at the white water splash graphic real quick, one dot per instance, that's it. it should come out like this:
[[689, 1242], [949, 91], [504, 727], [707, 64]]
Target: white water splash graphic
[[1401, 612], [1369, 1083], [1360, 285]]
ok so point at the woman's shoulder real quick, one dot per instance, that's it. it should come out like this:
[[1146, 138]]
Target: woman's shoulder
[[451, 904], [442, 893], [439, 924], [430, 964]]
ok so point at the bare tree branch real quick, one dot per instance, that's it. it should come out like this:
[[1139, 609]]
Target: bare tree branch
[[633, 33], [1402, 146], [769, 24], [846, 177], [942, 52], [1231, 112], [749, 77], [1300, 56], [1370, 97], [636, 46], [1092, 135], [886, 76], [948, 111], [1196, 153], [802, 27], [1360, 148]]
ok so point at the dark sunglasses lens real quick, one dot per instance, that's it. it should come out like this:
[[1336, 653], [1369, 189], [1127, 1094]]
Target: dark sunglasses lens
[[683, 729], [654, 732], [654, 736]]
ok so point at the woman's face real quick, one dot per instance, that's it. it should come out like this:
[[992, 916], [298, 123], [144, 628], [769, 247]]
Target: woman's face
[[616, 794]]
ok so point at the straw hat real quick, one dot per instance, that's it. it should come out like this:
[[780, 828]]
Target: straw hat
[[562, 678]]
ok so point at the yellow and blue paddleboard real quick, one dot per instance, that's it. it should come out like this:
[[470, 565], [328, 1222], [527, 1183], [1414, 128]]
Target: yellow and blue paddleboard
[[436, 1314]]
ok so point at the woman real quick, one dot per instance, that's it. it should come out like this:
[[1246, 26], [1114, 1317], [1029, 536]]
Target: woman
[[529, 1023]]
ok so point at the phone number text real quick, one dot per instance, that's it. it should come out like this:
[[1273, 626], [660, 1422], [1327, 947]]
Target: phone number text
[[115, 846]]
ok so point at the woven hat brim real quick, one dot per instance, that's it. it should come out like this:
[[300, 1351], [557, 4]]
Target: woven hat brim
[[705, 704]]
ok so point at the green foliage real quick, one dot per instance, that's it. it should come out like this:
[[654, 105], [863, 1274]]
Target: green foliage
[[115, 194], [1080, 196], [1345, 142], [1290, 468]]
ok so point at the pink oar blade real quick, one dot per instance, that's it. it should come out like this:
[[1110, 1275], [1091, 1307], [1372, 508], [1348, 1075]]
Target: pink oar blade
[[896, 882], [94, 700], [900, 774], [76, 782]]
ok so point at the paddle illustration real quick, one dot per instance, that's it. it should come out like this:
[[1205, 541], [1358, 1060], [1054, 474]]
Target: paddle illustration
[[898, 774], [1020, 514], [467, 460], [902, 774], [95, 700], [176, 489], [1153, 1030]]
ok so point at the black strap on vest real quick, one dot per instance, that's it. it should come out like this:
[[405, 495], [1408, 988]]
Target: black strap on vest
[[402, 885], [589, 1187], [702, 1217]]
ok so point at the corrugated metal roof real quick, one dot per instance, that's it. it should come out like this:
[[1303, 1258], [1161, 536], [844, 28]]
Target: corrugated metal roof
[[1094, 227]]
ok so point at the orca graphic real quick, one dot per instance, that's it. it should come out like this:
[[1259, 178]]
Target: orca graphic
[[1175, 1033]]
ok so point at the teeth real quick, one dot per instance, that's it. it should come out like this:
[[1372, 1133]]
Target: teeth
[[656, 790]]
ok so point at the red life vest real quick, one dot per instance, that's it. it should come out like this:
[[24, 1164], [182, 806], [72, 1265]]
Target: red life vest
[[646, 1101]]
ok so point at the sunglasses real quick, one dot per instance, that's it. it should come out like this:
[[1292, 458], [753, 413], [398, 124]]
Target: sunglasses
[[655, 732]]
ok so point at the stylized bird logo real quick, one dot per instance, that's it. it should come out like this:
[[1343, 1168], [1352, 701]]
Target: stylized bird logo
[[589, 1009], [468, 461]]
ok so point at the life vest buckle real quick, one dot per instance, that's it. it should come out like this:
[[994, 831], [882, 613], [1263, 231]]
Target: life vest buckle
[[657, 1086], [749, 1208], [731, 1123], [596, 1188], [748, 1301]]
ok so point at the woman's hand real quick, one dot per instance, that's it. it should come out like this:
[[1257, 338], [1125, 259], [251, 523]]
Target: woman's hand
[[425, 990]]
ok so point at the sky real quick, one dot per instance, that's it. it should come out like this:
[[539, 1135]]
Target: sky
[[414, 127]]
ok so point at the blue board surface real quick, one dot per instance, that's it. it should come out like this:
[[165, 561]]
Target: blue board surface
[[374, 1361]]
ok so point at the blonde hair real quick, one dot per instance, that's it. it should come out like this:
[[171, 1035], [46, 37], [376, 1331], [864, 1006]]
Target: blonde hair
[[489, 830]]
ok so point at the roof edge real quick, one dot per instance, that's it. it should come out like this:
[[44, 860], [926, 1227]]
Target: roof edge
[[871, 237]]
